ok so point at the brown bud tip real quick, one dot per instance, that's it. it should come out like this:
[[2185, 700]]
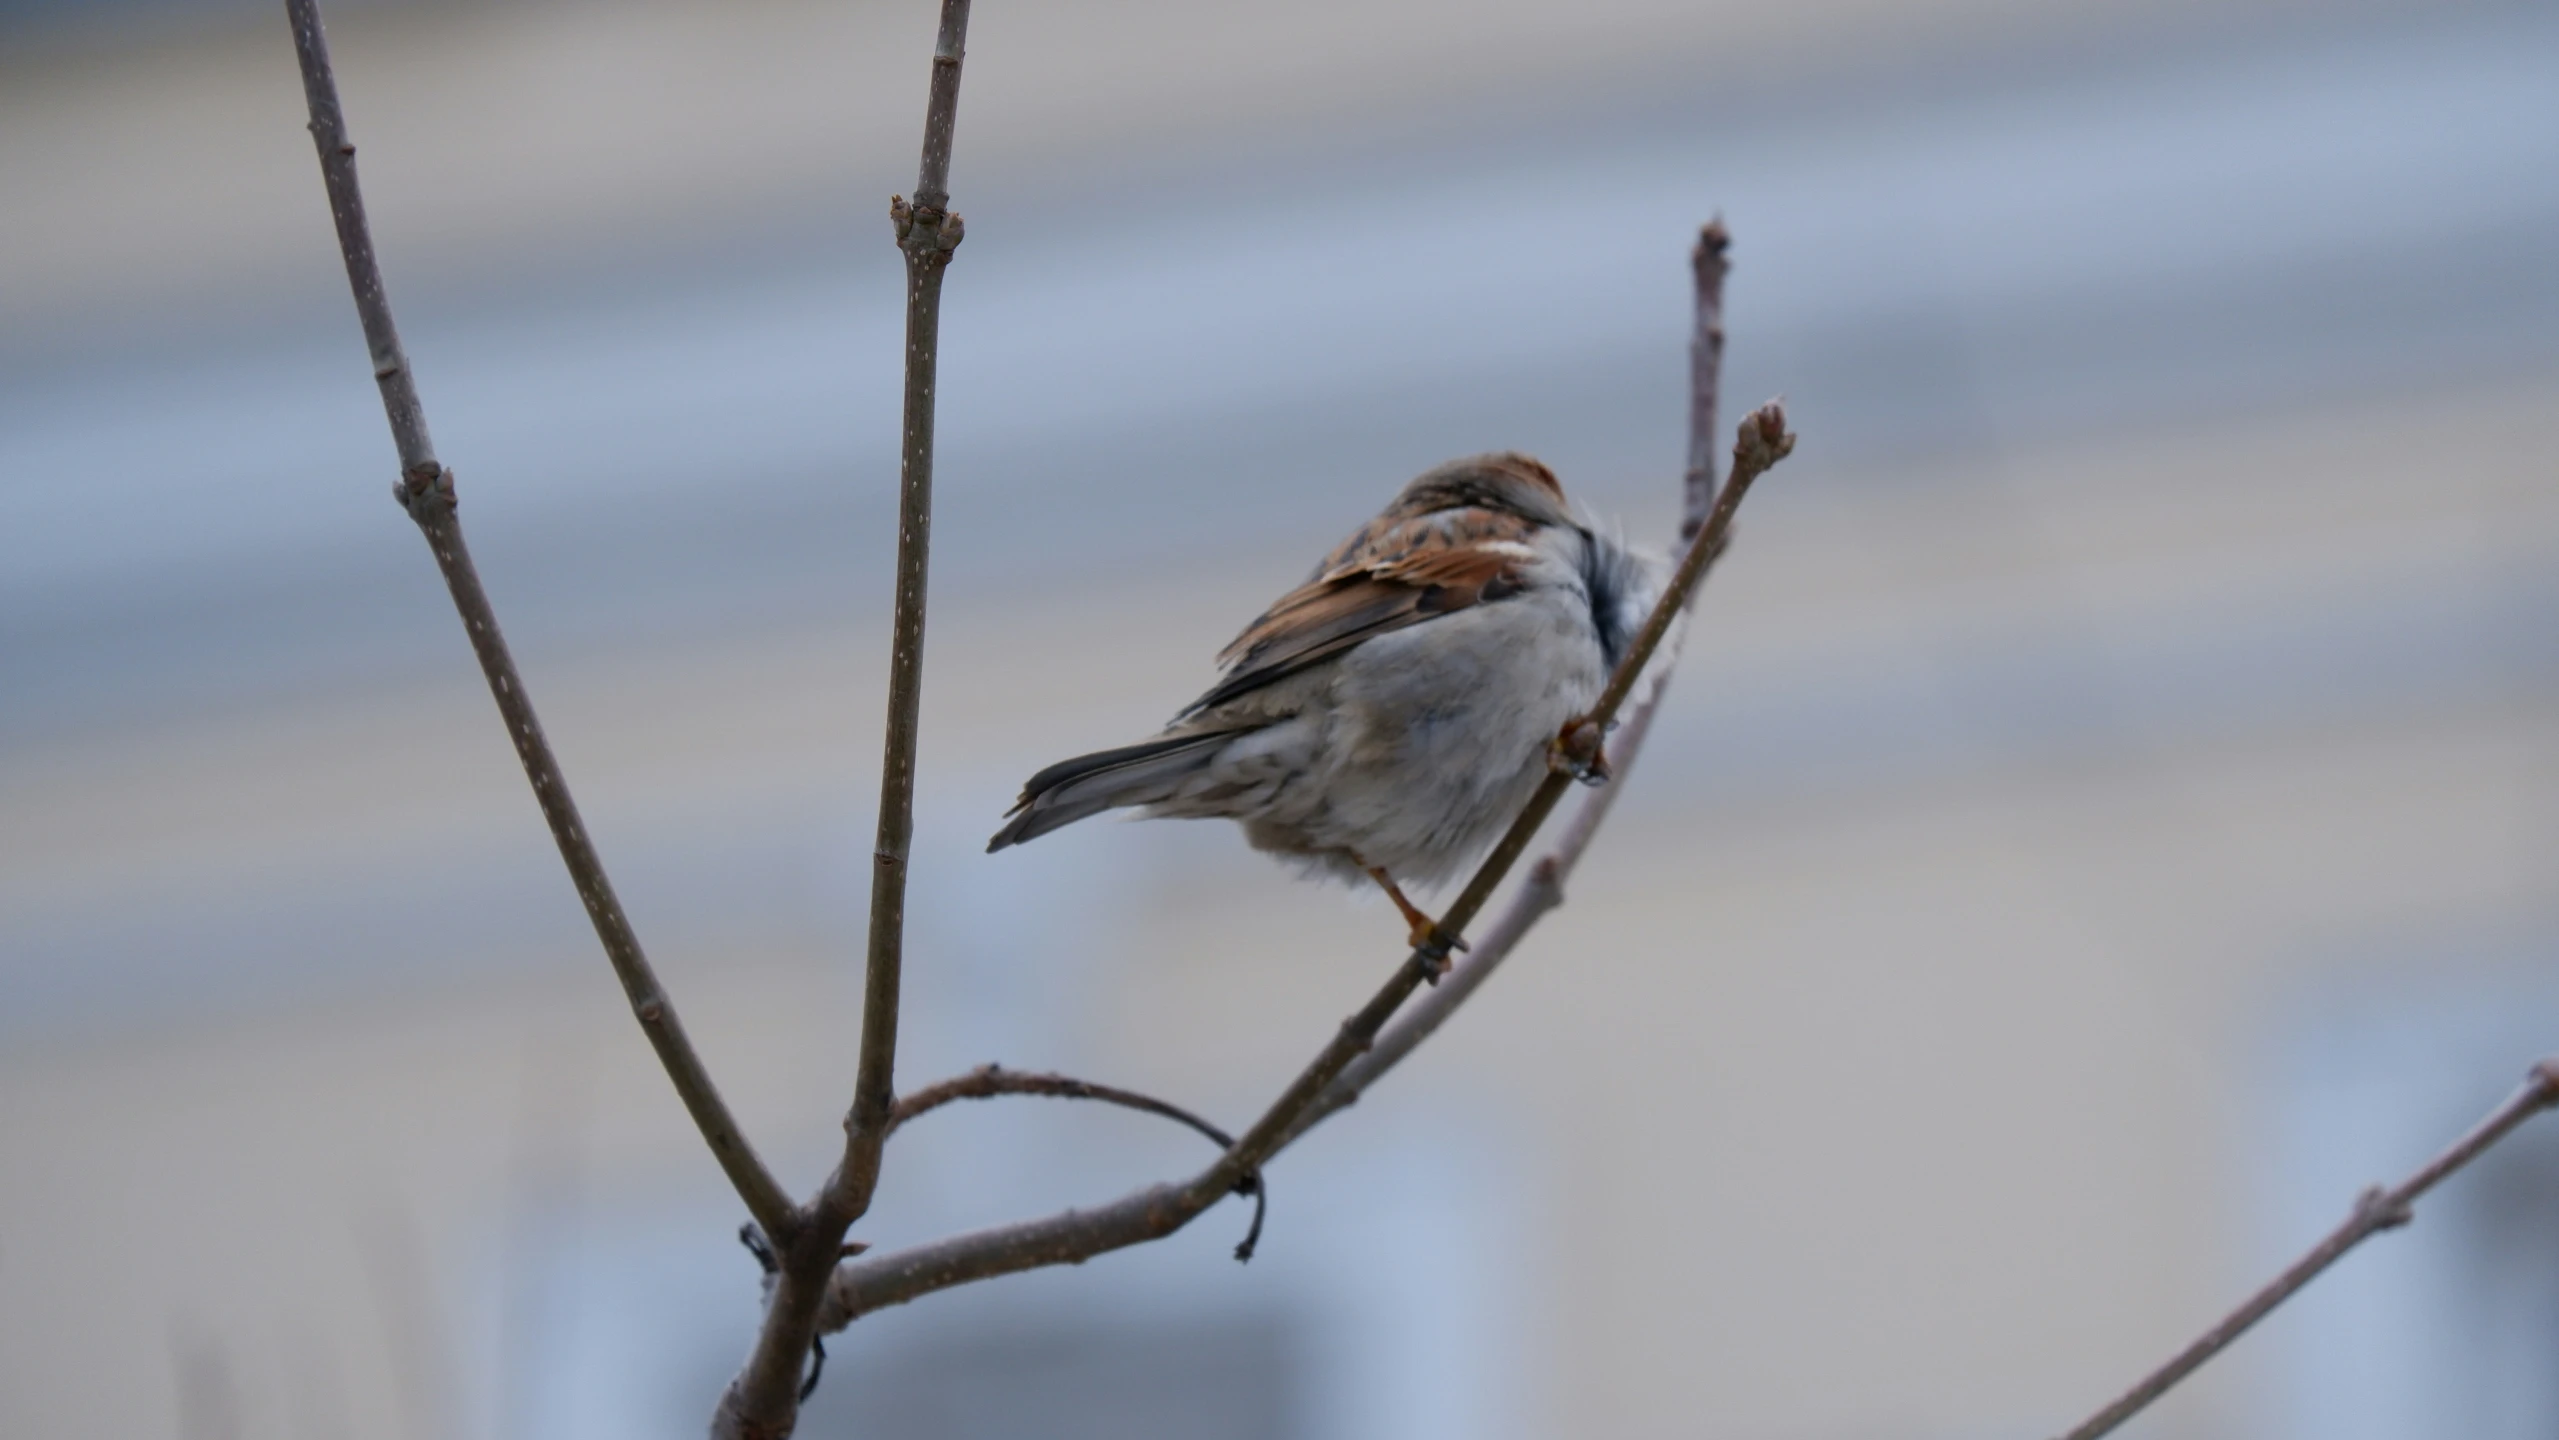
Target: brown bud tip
[[1763, 440], [1712, 240]]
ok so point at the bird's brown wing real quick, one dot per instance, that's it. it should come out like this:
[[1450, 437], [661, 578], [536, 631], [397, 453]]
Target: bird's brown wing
[[1394, 573]]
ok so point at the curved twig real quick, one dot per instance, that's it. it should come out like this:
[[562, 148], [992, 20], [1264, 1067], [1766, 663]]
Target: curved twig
[[987, 1082], [2375, 1210], [425, 490]]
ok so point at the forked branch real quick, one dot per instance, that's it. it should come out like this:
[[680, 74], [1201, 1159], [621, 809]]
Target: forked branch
[[425, 489]]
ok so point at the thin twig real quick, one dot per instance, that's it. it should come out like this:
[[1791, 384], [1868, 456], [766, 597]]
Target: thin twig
[[1705, 374], [987, 1082], [2375, 1210], [425, 489], [928, 233], [1076, 1235], [763, 1401]]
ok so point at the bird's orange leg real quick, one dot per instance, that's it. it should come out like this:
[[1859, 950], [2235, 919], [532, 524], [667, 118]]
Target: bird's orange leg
[[1423, 929]]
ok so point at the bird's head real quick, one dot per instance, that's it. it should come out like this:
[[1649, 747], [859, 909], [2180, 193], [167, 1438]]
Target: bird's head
[[1507, 481]]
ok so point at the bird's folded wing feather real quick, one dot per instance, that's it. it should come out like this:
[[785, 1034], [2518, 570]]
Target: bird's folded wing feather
[[1399, 571]]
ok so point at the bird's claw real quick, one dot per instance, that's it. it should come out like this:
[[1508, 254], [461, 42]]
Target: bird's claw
[[1427, 941], [1577, 750], [1435, 959]]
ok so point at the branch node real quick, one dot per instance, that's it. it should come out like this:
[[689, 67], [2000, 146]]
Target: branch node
[[2378, 1209], [2545, 1076], [925, 232], [1546, 880], [751, 1236], [426, 492], [1712, 241]]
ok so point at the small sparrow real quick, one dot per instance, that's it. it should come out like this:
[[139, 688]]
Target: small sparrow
[[1390, 716]]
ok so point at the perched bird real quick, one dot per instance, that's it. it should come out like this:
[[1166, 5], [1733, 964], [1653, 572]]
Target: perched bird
[[1390, 716]]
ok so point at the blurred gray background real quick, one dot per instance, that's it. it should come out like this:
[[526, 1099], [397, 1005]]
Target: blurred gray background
[[2104, 818]]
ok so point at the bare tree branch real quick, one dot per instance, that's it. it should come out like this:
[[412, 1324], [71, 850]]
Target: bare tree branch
[[875, 1282], [425, 489], [2375, 1210], [762, 1403]]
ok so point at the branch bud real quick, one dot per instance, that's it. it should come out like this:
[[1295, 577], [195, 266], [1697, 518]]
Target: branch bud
[[1764, 439]]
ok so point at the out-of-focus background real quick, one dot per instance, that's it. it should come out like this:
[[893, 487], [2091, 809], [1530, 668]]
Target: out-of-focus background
[[2106, 816]]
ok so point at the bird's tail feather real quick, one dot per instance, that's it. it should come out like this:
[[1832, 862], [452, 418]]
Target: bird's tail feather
[[1070, 790]]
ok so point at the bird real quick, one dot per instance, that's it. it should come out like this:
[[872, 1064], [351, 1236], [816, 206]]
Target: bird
[[1388, 718]]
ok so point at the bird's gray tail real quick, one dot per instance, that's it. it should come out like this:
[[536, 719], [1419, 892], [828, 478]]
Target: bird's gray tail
[[1070, 790]]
